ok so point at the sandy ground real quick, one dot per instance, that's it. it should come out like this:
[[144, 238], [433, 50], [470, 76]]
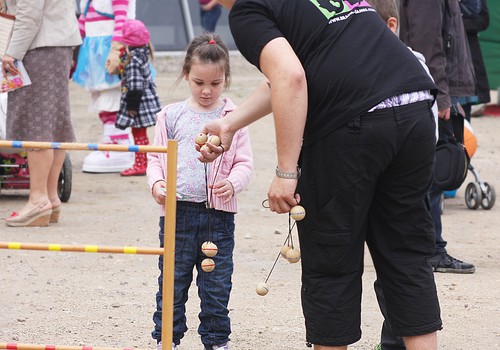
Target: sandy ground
[[108, 300]]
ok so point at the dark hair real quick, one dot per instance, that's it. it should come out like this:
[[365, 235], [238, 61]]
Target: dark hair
[[208, 48]]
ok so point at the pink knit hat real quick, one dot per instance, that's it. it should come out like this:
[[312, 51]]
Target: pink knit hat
[[135, 33]]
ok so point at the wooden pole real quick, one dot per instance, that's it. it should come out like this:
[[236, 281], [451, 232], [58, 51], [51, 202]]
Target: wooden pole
[[169, 232], [167, 315], [81, 146], [81, 248], [19, 346]]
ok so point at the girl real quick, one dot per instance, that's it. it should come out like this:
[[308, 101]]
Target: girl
[[139, 102], [206, 196]]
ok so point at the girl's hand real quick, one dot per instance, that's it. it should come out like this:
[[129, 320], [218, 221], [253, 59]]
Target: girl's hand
[[159, 191], [223, 189], [132, 113]]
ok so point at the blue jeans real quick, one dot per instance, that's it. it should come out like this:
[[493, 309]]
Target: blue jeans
[[194, 225], [209, 18], [435, 209]]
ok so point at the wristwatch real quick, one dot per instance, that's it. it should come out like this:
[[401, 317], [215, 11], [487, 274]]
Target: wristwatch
[[286, 175]]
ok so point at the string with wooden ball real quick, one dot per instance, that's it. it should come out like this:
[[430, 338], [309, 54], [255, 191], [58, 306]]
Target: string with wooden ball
[[208, 247], [297, 213]]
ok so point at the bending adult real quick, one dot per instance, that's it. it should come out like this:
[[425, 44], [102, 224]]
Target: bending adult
[[354, 104], [41, 111]]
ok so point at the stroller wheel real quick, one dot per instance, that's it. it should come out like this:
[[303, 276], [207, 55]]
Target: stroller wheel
[[65, 179], [473, 195], [489, 196]]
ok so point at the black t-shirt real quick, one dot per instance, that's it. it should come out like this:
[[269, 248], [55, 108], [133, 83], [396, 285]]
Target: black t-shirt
[[351, 59]]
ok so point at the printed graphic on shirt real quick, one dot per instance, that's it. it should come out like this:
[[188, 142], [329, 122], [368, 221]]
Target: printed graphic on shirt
[[341, 9]]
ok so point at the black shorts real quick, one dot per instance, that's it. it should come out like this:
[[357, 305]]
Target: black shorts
[[368, 182]]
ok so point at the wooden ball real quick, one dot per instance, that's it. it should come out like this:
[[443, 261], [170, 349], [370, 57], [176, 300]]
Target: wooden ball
[[298, 213], [201, 139], [262, 288], [284, 249], [209, 249], [206, 148], [214, 140], [207, 265], [293, 255]]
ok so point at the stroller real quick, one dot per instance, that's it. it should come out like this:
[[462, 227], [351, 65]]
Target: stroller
[[477, 193], [14, 174]]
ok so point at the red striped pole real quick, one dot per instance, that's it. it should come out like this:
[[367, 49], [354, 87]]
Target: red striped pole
[[19, 346]]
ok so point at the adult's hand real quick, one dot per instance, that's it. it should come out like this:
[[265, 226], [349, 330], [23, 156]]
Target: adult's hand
[[444, 114], [8, 65], [209, 6], [221, 128], [282, 195]]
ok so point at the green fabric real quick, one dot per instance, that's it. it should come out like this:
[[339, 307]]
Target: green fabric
[[490, 45]]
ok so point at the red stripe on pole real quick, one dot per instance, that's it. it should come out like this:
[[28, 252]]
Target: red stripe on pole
[[50, 347], [87, 348], [11, 346]]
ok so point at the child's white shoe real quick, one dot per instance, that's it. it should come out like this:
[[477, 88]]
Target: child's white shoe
[[158, 346]]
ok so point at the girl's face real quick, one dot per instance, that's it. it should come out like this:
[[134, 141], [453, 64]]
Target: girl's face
[[206, 82]]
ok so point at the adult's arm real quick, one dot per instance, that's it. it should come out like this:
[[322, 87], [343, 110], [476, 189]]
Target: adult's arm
[[28, 20], [256, 106], [287, 78]]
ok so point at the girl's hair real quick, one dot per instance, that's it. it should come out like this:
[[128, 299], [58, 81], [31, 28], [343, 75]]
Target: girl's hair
[[207, 48], [129, 54], [151, 51]]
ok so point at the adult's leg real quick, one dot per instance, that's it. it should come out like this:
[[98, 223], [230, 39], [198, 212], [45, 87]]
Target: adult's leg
[[39, 165], [209, 18], [400, 234], [435, 210], [53, 179], [388, 341], [420, 342]]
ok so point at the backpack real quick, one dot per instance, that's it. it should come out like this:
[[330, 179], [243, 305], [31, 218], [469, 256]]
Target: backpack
[[452, 160]]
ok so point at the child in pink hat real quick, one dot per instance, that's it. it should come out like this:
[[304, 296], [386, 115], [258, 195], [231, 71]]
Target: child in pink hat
[[139, 101]]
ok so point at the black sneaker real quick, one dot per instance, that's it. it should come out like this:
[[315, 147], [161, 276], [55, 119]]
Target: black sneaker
[[442, 262]]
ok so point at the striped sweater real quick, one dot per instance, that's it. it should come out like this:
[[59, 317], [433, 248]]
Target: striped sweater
[[119, 15]]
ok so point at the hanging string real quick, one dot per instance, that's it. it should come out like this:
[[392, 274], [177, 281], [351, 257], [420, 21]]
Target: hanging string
[[275, 261], [288, 241], [209, 193]]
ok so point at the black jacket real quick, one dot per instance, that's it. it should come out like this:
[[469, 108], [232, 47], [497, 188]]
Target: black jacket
[[435, 29], [474, 25]]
